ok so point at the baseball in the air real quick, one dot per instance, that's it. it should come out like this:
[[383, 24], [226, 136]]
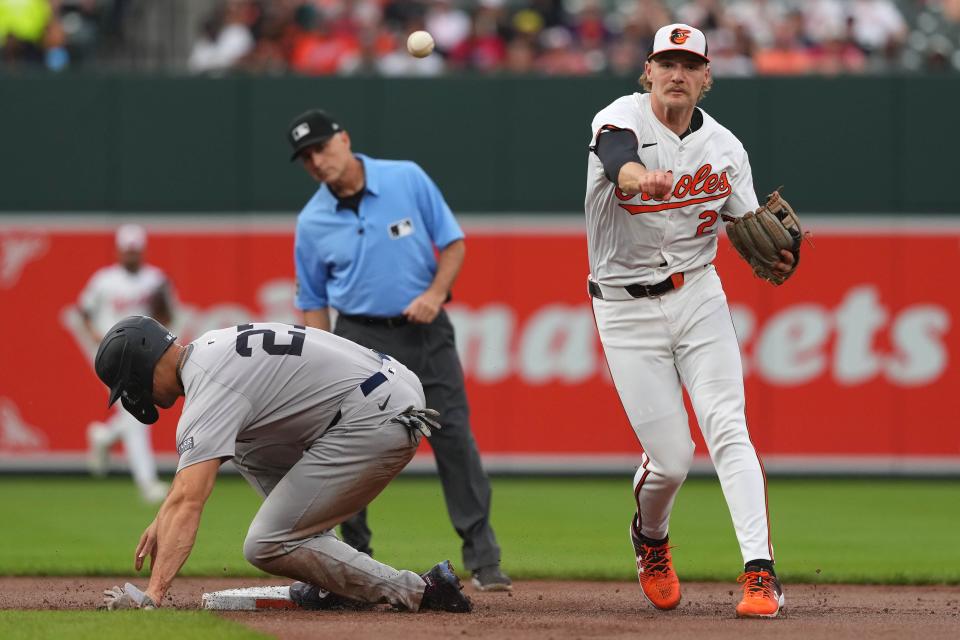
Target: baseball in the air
[[420, 44]]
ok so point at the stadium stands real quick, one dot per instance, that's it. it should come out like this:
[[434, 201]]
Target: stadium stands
[[544, 37]]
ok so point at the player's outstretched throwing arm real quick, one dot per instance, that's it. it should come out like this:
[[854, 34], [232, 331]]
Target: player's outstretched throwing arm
[[768, 239]]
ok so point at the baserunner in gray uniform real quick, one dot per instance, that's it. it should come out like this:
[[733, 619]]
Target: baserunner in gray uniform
[[318, 425]]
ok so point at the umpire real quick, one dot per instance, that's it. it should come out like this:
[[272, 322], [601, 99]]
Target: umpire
[[365, 247]]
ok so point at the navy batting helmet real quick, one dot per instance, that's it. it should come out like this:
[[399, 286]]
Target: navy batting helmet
[[125, 361]]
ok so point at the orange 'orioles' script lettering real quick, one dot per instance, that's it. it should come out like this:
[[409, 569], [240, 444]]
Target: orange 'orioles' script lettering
[[704, 183]]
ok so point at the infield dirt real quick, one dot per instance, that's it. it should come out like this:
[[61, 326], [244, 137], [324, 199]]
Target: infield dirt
[[554, 610]]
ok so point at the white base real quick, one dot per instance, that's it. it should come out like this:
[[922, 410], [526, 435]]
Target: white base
[[249, 599]]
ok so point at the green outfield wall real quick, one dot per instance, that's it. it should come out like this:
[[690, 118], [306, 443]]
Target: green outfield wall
[[134, 143]]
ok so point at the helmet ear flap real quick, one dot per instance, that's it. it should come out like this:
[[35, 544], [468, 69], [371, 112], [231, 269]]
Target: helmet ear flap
[[145, 412], [137, 396], [131, 395]]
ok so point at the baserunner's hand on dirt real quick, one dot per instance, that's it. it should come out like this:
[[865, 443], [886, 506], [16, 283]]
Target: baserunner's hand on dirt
[[129, 597]]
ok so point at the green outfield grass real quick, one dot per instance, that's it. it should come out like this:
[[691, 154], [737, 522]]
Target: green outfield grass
[[120, 625], [902, 531]]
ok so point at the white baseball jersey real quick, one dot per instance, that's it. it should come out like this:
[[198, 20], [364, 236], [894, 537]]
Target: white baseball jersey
[[266, 387], [113, 293], [638, 239]]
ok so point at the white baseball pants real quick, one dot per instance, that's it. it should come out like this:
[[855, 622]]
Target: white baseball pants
[[655, 347]]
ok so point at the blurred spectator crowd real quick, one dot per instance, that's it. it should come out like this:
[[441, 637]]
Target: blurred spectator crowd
[[57, 34], [546, 37]]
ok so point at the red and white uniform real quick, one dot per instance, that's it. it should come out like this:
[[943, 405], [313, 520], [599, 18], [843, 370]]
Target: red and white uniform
[[685, 337], [113, 293]]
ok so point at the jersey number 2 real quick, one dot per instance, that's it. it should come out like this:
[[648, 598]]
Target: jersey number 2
[[295, 348], [709, 218]]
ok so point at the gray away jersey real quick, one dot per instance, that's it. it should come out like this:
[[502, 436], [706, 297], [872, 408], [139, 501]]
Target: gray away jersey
[[268, 387]]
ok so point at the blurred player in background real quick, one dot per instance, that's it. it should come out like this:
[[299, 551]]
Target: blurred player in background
[[129, 287]]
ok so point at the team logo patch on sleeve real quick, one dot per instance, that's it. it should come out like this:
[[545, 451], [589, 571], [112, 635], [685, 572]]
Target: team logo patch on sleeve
[[185, 446], [401, 228]]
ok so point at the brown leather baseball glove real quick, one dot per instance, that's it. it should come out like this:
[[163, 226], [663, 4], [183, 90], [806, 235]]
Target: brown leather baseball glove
[[761, 235]]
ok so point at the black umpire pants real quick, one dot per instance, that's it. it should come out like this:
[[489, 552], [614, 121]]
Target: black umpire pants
[[430, 352]]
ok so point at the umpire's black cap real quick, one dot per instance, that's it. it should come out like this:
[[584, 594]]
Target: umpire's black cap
[[311, 127], [125, 361]]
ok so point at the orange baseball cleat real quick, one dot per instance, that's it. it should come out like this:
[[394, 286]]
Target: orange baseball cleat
[[658, 580], [762, 595]]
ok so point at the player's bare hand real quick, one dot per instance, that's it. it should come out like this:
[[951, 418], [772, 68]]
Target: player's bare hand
[[424, 308], [658, 184], [786, 265], [146, 547]]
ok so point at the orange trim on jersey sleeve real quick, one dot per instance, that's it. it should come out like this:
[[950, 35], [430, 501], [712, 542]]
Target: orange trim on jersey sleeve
[[611, 127]]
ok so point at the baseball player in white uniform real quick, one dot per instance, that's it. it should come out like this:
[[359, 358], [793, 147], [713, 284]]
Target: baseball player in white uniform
[[661, 177], [318, 426], [128, 287]]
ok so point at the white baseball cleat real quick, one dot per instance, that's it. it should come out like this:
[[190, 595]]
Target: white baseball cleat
[[98, 449]]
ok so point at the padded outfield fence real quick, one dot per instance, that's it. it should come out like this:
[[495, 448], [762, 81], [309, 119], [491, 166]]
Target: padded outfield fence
[[848, 370]]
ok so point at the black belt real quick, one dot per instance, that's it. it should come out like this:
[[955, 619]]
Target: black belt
[[390, 323], [642, 290]]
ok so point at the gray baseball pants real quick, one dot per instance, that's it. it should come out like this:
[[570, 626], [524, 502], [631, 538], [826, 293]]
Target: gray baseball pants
[[307, 493], [430, 351]]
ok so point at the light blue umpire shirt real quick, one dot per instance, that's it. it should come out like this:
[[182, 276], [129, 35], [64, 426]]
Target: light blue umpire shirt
[[376, 261]]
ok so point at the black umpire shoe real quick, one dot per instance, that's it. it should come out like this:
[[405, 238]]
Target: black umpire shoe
[[491, 578], [307, 596], [444, 591]]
